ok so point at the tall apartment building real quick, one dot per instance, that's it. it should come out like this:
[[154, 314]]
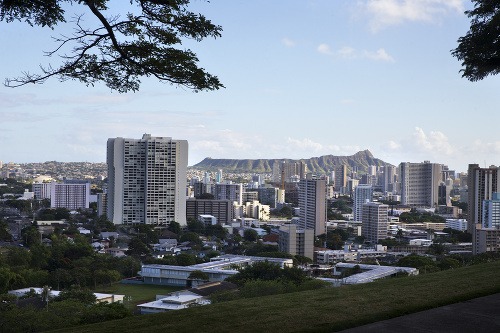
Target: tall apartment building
[[147, 180], [420, 183], [374, 221], [102, 204], [296, 241], [389, 178], [312, 204], [70, 195], [362, 195], [481, 184], [340, 178]]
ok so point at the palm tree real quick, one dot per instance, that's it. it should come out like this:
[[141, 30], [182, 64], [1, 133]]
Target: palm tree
[[46, 295]]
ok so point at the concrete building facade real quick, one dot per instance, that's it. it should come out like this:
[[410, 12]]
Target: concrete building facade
[[375, 224], [296, 241], [147, 180], [71, 196], [420, 183], [221, 209], [362, 194], [312, 204]]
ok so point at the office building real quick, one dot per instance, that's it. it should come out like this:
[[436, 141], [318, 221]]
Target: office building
[[312, 204], [362, 195], [420, 183], [374, 221], [147, 180]]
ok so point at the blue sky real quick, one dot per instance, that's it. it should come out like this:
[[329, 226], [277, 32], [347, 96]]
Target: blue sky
[[303, 79]]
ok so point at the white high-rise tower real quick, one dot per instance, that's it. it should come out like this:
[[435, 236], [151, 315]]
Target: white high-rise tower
[[147, 180]]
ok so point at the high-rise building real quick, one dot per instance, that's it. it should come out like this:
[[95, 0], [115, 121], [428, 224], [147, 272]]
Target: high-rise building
[[420, 183], [268, 195], [312, 204], [372, 170], [374, 221], [491, 212], [487, 234], [218, 176], [147, 180], [70, 195], [389, 178], [102, 204], [229, 191], [340, 178], [290, 170], [362, 195], [351, 185], [481, 184]]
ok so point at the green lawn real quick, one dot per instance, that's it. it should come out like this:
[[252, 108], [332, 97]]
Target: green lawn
[[136, 293], [322, 310]]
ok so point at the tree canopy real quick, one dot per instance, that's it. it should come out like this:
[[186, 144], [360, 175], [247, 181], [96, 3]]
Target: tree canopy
[[143, 40], [479, 49]]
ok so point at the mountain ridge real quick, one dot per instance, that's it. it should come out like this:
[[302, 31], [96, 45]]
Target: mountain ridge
[[322, 164]]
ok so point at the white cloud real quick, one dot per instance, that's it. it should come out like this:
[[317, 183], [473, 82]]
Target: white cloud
[[347, 52], [386, 13], [305, 144], [393, 145], [325, 49], [419, 146], [435, 142], [380, 54], [288, 42]]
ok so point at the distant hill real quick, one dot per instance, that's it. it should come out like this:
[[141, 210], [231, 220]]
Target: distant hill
[[322, 164]]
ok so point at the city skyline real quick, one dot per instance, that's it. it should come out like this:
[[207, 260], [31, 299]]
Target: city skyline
[[303, 79]]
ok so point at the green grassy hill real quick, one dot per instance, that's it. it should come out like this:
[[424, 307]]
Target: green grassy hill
[[323, 310]]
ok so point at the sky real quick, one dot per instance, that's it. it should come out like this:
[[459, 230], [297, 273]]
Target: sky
[[302, 79]]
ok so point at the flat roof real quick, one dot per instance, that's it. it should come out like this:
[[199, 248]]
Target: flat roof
[[373, 272]]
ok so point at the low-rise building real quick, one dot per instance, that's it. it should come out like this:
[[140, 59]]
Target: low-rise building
[[218, 269]]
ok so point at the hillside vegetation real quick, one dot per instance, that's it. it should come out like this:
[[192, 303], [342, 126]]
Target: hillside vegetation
[[322, 164], [323, 310]]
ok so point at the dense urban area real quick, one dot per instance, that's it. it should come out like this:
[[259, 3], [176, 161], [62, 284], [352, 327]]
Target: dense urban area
[[69, 243]]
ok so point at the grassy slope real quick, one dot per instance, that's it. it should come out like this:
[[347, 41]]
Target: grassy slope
[[321, 310]]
